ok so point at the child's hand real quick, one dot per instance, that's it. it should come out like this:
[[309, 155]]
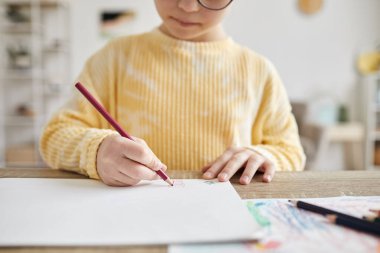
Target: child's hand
[[123, 162], [226, 165]]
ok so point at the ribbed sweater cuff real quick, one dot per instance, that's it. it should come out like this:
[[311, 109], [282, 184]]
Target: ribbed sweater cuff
[[88, 161]]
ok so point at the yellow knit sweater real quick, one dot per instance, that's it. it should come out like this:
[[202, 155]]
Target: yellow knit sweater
[[188, 100]]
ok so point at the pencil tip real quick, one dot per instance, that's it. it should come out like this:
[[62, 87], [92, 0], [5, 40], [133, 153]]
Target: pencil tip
[[294, 202]]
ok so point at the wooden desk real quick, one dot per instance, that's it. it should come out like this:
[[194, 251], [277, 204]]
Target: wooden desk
[[307, 184]]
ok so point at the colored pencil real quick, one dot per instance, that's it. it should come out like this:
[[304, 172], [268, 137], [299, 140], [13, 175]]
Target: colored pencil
[[318, 209], [113, 122], [360, 225]]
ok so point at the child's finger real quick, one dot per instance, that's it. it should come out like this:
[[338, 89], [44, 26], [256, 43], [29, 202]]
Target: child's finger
[[234, 164], [205, 168], [125, 180], [164, 167], [142, 154], [110, 182], [141, 141], [270, 169], [114, 183], [136, 170], [218, 165], [250, 170]]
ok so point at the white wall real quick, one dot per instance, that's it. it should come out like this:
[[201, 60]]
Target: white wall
[[85, 36], [313, 53]]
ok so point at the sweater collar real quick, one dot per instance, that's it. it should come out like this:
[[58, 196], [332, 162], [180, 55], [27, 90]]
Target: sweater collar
[[165, 40]]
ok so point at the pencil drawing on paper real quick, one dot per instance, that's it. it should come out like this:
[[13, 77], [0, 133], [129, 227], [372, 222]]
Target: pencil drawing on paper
[[178, 183], [210, 182]]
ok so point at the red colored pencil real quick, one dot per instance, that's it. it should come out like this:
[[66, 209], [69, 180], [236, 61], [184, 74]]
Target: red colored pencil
[[113, 122]]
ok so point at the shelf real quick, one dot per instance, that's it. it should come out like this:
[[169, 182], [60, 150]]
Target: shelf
[[55, 51], [43, 4], [19, 121], [47, 52], [22, 28], [20, 74], [22, 78], [57, 45], [376, 135]]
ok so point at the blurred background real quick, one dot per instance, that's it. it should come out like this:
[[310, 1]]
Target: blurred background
[[326, 51]]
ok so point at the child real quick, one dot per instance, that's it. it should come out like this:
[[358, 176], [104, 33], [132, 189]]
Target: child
[[193, 94]]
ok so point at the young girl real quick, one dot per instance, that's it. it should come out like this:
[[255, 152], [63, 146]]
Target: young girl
[[195, 99]]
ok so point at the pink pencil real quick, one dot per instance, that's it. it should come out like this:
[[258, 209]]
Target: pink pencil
[[113, 122]]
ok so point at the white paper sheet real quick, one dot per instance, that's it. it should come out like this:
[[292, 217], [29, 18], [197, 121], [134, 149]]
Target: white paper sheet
[[288, 229], [87, 212]]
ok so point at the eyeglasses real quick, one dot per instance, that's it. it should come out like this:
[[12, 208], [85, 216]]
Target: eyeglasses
[[215, 5]]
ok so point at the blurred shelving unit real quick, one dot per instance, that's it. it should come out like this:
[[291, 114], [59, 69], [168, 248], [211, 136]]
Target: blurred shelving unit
[[34, 68]]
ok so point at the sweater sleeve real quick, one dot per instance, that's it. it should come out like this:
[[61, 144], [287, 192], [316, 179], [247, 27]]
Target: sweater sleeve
[[275, 132], [71, 138]]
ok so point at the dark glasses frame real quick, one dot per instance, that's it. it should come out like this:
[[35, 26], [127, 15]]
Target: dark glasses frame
[[213, 9]]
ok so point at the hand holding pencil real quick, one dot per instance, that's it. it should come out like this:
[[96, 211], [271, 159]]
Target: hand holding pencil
[[123, 160]]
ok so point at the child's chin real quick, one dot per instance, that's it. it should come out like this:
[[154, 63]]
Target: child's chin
[[185, 34]]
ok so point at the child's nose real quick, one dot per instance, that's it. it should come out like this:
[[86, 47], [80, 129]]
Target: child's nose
[[188, 5]]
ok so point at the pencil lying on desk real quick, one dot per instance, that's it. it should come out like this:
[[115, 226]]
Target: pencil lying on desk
[[113, 122], [357, 224], [318, 209], [340, 218]]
